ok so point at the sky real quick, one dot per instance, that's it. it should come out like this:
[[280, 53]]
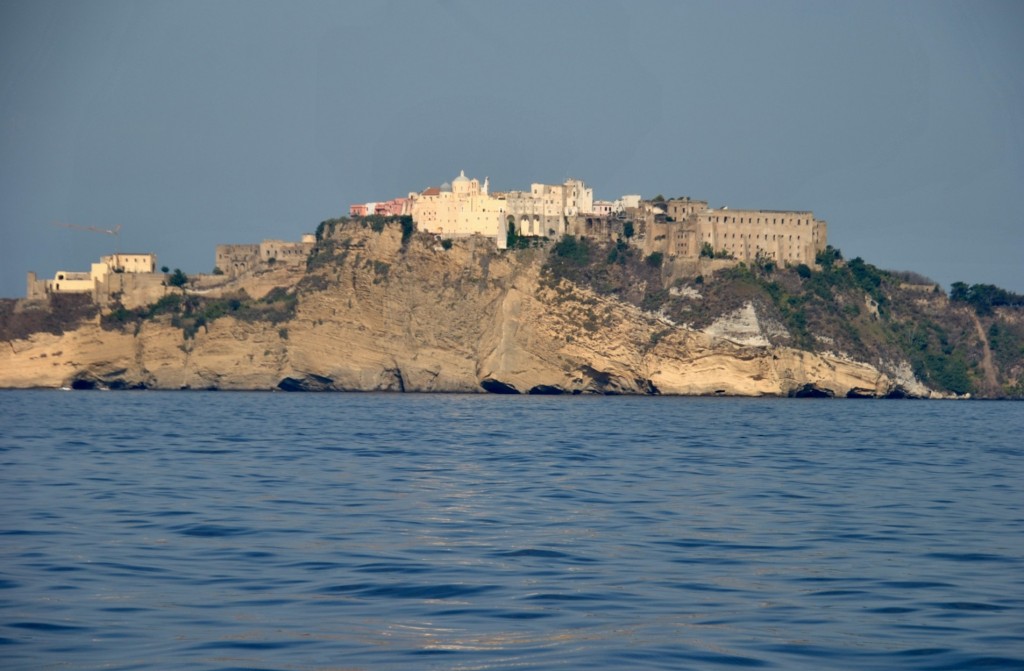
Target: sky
[[191, 124]]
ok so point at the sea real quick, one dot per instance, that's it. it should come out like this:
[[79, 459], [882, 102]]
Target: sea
[[344, 531]]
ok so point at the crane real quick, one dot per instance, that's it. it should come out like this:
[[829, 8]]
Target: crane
[[115, 231]]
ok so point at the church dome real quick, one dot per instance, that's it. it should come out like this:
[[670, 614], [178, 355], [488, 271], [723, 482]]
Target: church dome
[[446, 187], [461, 179]]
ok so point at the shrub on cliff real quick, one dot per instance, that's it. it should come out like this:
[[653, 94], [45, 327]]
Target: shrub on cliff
[[61, 312], [709, 252], [608, 268], [191, 312], [828, 256], [984, 297], [408, 228], [573, 250], [177, 279]]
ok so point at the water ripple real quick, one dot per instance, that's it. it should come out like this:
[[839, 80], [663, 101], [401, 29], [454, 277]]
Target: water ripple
[[473, 532]]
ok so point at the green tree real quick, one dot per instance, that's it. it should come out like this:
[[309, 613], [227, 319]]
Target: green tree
[[627, 230], [576, 251], [178, 278], [828, 256], [408, 227], [512, 237], [984, 297]]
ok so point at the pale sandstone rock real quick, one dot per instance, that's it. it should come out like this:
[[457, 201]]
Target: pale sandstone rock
[[427, 319], [741, 327]]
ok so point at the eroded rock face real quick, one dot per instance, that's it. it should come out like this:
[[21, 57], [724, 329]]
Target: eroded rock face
[[381, 314]]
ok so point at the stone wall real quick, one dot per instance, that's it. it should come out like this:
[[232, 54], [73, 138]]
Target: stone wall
[[132, 290], [783, 236], [234, 260]]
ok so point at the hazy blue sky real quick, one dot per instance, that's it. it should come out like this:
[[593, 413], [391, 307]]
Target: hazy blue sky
[[197, 123]]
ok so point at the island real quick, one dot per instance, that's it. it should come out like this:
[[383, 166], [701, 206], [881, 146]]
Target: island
[[458, 288]]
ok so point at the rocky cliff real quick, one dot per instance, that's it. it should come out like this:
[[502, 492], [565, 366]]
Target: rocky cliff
[[380, 309]]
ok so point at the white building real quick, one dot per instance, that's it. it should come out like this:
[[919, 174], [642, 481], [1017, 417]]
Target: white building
[[460, 209], [542, 210]]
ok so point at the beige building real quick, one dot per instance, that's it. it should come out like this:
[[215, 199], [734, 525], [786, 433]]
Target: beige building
[[678, 209], [681, 228], [235, 260], [544, 209], [461, 209], [784, 236], [130, 263], [95, 281], [689, 225]]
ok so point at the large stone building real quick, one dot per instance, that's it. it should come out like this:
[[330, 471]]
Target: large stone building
[[236, 260], [71, 282], [131, 277], [544, 209], [784, 236], [460, 209], [686, 228]]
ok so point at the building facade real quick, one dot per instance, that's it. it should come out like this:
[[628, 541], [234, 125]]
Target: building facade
[[783, 236], [679, 228], [236, 260], [100, 273], [395, 207], [460, 209], [544, 209]]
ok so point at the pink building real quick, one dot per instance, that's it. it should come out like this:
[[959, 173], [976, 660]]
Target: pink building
[[394, 207], [389, 208]]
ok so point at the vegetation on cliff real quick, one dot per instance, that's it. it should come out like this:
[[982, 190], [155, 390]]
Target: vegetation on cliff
[[849, 307], [59, 313], [984, 298], [971, 341], [191, 312]]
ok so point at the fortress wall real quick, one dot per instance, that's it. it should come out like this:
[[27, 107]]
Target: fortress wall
[[682, 208], [131, 289], [785, 236], [233, 260], [284, 251]]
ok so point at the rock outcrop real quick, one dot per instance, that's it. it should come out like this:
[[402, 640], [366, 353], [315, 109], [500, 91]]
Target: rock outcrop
[[377, 311]]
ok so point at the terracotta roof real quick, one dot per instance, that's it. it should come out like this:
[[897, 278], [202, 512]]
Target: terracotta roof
[[432, 191]]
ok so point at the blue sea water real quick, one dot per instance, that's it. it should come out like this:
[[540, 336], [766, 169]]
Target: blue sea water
[[195, 530]]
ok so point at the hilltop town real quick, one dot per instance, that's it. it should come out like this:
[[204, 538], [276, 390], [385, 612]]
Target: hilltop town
[[458, 288], [678, 230], [682, 228]]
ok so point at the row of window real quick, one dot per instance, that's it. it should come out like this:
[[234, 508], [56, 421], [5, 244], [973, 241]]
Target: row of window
[[750, 220], [743, 236]]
